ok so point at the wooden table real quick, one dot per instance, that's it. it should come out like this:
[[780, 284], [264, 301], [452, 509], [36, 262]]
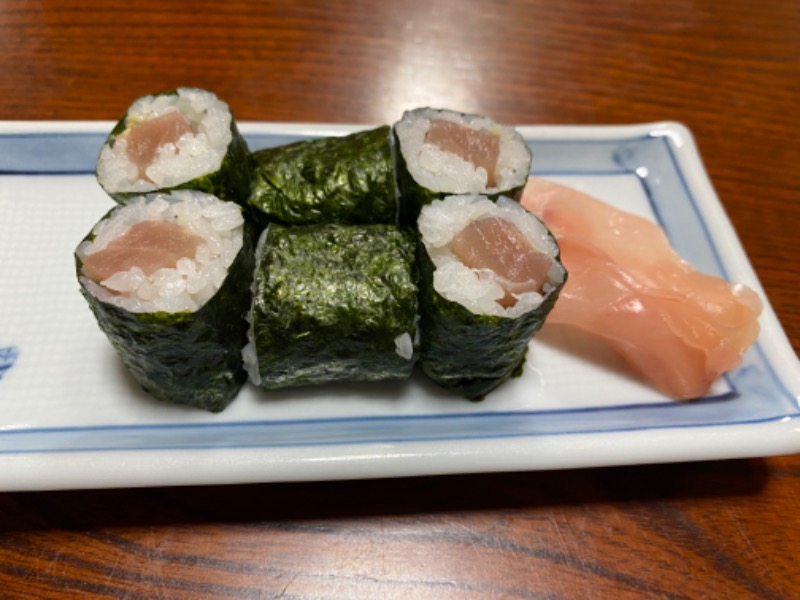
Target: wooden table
[[730, 71]]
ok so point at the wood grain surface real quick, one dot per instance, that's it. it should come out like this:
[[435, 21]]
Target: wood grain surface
[[728, 70]]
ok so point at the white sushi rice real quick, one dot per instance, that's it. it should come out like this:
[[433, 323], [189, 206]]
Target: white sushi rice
[[249, 352], [443, 171], [193, 155], [404, 346], [194, 279], [477, 289]]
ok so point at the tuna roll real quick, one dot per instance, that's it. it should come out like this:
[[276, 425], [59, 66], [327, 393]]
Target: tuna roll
[[443, 152], [332, 303], [347, 180], [183, 139], [168, 278], [489, 275]]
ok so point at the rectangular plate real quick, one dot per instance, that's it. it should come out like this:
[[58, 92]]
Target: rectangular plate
[[71, 416]]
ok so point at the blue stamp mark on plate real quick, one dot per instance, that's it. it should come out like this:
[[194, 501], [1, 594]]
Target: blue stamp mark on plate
[[8, 356]]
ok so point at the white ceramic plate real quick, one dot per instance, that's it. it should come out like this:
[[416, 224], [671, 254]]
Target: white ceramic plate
[[71, 417]]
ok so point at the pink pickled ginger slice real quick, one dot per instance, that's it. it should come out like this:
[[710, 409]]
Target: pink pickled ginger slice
[[679, 327]]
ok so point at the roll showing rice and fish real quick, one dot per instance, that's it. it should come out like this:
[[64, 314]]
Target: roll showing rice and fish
[[335, 295], [168, 278], [183, 139], [443, 152], [333, 303], [489, 274]]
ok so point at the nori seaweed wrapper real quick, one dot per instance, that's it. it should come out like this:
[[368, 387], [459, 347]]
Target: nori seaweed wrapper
[[413, 195], [334, 303], [468, 353], [191, 358], [231, 181], [347, 180]]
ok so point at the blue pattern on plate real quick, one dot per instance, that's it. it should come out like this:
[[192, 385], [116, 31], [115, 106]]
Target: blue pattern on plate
[[757, 393], [8, 356]]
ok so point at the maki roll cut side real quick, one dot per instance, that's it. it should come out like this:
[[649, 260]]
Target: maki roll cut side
[[168, 278], [183, 139], [333, 303], [443, 152], [489, 274]]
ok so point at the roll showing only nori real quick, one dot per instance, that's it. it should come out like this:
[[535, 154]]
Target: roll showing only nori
[[183, 139], [347, 180], [333, 303], [168, 278], [442, 152], [489, 275]]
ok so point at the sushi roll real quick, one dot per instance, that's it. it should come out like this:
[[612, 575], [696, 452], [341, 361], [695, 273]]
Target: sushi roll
[[183, 139], [168, 278], [489, 274], [332, 303], [443, 152], [347, 180]]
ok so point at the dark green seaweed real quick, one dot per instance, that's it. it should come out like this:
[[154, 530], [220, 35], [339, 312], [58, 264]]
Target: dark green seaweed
[[413, 196], [191, 358], [468, 353], [231, 181], [348, 180], [330, 301]]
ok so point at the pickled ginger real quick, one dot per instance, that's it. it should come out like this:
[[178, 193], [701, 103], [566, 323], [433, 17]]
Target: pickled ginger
[[678, 327]]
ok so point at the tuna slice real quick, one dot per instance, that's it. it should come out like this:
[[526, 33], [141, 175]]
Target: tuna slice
[[145, 139], [481, 148], [497, 245], [149, 245], [678, 327]]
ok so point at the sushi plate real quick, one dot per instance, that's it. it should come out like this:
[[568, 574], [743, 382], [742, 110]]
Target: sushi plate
[[72, 417]]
